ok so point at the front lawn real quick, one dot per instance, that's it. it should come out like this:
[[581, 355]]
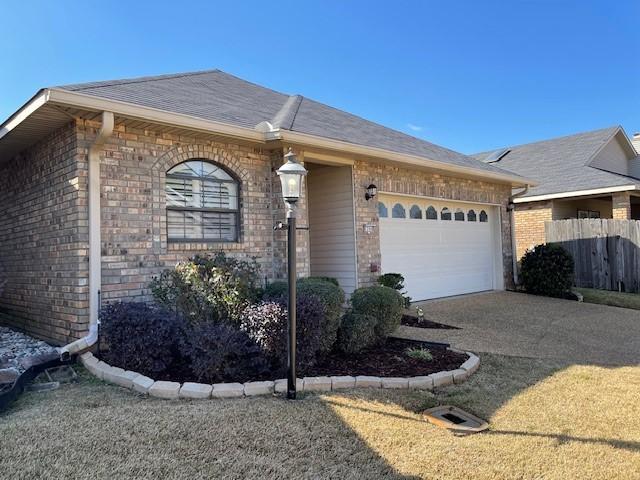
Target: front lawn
[[614, 299], [548, 420]]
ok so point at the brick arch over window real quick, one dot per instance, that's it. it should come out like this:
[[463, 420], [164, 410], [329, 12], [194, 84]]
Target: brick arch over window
[[179, 155]]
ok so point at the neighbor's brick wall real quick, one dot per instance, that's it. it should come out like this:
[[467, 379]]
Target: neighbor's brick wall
[[413, 182], [44, 239], [134, 239], [529, 225]]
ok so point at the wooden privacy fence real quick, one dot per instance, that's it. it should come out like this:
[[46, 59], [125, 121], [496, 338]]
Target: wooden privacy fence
[[606, 252]]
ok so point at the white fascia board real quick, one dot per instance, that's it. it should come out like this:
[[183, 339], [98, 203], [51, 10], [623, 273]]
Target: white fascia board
[[409, 160], [38, 100], [577, 193], [125, 109]]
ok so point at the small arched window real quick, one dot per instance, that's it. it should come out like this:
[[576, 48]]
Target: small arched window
[[382, 210], [398, 211], [445, 214], [432, 214], [202, 203], [483, 216], [415, 212], [459, 215], [471, 216]]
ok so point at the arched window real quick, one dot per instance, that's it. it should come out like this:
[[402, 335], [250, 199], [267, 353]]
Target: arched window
[[459, 215], [471, 216], [382, 210], [445, 214], [432, 214], [415, 212], [398, 211], [202, 203], [483, 216]]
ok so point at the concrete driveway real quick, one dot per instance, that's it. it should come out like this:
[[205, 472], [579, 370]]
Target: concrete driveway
[[529, 326]]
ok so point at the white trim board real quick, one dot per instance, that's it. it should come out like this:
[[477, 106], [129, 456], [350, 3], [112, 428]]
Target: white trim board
[[577, 193]]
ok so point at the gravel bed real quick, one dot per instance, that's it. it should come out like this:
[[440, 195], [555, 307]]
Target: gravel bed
[[16, 346]]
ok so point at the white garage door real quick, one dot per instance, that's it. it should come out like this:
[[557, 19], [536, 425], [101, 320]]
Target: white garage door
[[441, 248]]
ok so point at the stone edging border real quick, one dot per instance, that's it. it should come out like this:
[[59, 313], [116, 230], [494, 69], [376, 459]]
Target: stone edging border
[[173, 390]]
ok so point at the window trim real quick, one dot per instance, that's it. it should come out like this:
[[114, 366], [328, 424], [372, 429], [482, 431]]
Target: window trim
[[236, 212]]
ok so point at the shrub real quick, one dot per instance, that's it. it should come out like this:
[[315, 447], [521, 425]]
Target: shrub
[[547, 270], [275, 290], [419, 353], [395, 281], [266, 323], [356, 332], [332, 299], [141, 337], [220, 352], [383, 303], [208, 288]]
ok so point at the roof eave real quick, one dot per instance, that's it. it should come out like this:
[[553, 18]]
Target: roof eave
[[395, 157], [62, 97], [576, 193]]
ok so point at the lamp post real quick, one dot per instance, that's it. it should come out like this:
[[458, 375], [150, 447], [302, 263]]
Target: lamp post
[[291, 175]]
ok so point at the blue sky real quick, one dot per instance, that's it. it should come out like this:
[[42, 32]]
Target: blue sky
[[469, 75]]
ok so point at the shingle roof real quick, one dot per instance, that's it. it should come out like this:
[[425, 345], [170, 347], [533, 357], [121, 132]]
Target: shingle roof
[[217, 96], [560, 165]]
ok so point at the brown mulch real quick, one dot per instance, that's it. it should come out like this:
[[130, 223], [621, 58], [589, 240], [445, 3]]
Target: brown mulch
[[412, 321], [387, 360]]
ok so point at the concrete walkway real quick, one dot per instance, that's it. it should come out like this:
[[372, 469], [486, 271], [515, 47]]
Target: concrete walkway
[[529, 326]]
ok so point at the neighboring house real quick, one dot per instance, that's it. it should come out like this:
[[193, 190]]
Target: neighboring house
[[587, 175], [103, 185]]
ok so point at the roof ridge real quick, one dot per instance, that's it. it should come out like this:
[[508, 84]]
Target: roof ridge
[[285, 117], [128, 81], [562, 137]]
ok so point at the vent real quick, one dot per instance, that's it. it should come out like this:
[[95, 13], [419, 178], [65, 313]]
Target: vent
[[496, 155]]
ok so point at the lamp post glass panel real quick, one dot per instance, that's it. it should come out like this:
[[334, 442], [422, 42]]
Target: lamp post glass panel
[[291, 175]]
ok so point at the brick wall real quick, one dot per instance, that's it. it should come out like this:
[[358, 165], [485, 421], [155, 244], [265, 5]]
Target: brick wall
[[44, 238], [134, 239], [621, 206], [414, 182], [529, 224]]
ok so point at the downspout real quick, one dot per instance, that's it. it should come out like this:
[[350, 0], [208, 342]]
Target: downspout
[[512, 222], [95, 257]]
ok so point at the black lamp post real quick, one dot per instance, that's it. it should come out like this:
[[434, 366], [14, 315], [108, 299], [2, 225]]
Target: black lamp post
[[291, 175]]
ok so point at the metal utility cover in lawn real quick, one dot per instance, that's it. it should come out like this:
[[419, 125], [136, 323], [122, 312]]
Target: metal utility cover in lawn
[[454, 419]]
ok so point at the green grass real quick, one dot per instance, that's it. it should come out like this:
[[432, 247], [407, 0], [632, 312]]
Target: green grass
[[419, 353], [549, 419], [614, 299]]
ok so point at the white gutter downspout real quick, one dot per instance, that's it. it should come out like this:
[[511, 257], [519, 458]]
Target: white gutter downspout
[[512, 221], [95, 257]]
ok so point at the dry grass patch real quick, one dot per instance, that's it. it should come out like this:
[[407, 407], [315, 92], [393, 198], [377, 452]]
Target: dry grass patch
[[92, 430]]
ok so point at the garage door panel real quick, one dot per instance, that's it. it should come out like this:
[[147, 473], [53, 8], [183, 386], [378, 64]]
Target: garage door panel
[[439, 257]]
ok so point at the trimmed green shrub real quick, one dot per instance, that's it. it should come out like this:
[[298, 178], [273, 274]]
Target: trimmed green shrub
[[383, 303], [356, 332], [547, 270], [141, 337], [221, 353], [208, 288], [332, 298], [395, 281], [392, 280], [266, 323], [275, 290]]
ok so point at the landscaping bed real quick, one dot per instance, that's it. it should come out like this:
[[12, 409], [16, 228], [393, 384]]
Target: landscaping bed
[[388, 360], [413, 321]]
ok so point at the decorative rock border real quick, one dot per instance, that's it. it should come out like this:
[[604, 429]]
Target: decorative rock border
[[172, 390]]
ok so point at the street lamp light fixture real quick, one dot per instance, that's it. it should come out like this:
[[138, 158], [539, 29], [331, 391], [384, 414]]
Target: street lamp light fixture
[[291, 176]]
